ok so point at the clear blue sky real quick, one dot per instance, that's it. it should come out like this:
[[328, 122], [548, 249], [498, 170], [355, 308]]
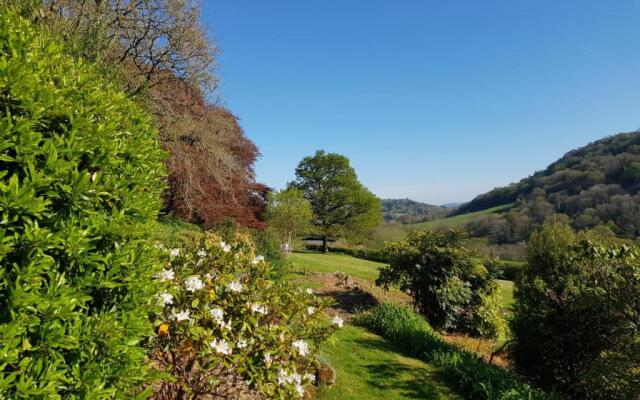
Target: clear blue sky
[[433, 100]]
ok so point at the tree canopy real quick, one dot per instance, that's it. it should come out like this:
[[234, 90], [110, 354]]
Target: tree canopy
[[340, 203], [288, 214]]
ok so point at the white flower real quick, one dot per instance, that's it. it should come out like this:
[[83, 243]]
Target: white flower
[[283, 377], [174, 253], [166, 298], [225, 247], [309, 291], [218, 315], [267, 358], [286, 378], [227, 326], [193, 283], [257, 260], [182, 315], [301, 346], [208, 276], [311, 310], [235, 286], [220, 346], [309, 377], [242, 344], [166, 275], [260, 309], [337, 321], [201, 253]]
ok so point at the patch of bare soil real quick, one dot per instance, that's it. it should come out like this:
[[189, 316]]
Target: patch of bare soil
[[352, 294]]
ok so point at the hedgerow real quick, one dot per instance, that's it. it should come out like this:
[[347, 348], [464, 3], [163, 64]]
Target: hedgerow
[[244, 331], [476, 379], [80, 179]]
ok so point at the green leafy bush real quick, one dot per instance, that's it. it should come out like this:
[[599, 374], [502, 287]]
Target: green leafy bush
[[223, 314], [80, 178], [504, 269], [449, 285], [576, 322], [476, 379]]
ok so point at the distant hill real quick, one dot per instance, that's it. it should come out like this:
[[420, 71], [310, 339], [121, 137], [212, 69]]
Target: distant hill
[[595, 185], [451, 205], [408, 211]]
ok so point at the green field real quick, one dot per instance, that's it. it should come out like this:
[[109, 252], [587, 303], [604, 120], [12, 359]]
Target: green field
[[458, 220], [330, 263]]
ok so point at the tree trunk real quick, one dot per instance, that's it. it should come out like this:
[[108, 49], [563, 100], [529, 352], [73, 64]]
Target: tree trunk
[[325, 244]]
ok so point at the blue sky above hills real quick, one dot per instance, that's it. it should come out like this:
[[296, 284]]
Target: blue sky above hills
[[436, 101]]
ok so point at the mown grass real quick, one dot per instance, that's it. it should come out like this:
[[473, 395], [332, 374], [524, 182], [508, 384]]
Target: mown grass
[[330, 263], [475, 379], [506, 291], [457, 221], [369, 367]]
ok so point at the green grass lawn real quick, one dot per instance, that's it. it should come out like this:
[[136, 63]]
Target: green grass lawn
[[369, 368], [330, 263], [506, 290], [458, 220]]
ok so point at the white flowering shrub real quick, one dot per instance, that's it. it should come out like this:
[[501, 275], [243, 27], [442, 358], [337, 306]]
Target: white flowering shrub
[[224, 318]]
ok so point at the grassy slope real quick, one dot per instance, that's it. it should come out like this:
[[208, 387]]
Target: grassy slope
[[458, 220], [367, 366]]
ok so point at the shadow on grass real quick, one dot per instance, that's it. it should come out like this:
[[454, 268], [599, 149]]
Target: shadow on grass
[[413, 381], [352, 300]]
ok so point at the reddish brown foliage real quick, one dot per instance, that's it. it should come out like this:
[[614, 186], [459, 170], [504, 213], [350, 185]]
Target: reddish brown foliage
[[211, 177]]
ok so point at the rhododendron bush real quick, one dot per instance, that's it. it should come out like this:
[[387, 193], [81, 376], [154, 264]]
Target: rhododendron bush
[[227, 328]]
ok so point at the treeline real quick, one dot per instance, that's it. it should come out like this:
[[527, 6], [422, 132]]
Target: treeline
[[159, 53], [407, 211], [596, 185]]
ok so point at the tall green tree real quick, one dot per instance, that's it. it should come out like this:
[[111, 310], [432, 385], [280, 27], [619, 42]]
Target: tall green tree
[[341, 204], [288, 215]]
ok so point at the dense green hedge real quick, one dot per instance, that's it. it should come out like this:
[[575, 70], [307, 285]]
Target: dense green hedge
[[504, 269], [80, 179], [476, 379], [365, 254]]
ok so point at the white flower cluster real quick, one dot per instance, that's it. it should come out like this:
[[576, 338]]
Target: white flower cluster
[[166, 275], [166, 298], [260, 309], [221, 347], [235, 287], [301, 346], [193, 284], [293, 378], [186, 299]]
